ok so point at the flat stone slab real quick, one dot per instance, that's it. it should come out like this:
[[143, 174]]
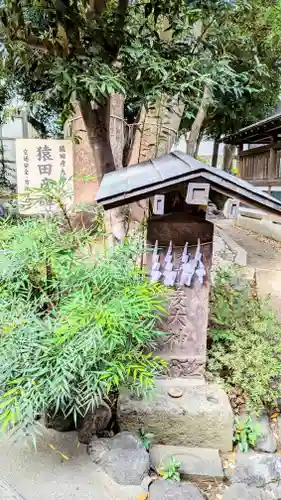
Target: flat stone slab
[[244, 492], [167, 490], [195, 461], [201, 417], [7, 492]]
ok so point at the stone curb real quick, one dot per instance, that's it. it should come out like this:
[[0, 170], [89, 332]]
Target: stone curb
[[241, 254]]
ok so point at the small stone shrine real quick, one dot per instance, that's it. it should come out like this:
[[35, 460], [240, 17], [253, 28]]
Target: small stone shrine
[[179, 254], [179, 241]]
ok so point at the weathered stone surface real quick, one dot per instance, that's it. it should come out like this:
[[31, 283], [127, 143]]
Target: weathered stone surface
[[94, 423], [202, 417], [122, 457], [259, 470], [8, 493], [167, 490], [266, 441], [195, 461], [279, 427], [243, 492], [146, 482]]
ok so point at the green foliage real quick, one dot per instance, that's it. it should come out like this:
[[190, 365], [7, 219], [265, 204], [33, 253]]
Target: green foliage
[[171, 470], [244, 342], [247, 35], [75, 325], [60, 52], [246, 433], [146, 438]]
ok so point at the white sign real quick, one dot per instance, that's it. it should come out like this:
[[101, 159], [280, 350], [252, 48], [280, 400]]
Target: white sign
[[41, 159]]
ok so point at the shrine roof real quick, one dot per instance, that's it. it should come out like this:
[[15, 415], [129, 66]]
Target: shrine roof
[[145, 179], [257, 133]]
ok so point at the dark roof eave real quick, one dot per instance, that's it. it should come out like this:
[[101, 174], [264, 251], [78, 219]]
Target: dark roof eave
[[218, 184], [255, 131]]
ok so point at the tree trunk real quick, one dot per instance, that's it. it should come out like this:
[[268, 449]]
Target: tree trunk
[[155, 136], [117, 219], [215, 152], [105, 130], [116, 128], [198, 144], [198, 122], [228, 157], [96, 120]]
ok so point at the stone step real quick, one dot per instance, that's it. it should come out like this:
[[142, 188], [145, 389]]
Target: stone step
[[204, 462], [187, 412]]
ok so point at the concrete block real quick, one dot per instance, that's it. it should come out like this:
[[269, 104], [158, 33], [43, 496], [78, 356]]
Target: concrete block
[[240, 253], [200, 417], [204, 462]]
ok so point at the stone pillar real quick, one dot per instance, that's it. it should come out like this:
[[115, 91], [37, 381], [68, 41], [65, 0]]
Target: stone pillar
[[184, 347]]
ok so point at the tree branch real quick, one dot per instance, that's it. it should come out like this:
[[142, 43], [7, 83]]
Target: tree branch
[[122, 7], [202, 35]]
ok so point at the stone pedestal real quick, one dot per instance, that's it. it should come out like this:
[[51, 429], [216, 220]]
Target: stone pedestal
[[200, 417]]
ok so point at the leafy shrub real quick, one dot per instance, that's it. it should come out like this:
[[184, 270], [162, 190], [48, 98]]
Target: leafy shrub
[[170, 471], [246, 433], [74, 326], [244, 341]]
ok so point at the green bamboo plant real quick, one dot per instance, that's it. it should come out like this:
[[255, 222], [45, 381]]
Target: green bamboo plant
[[75, 325]]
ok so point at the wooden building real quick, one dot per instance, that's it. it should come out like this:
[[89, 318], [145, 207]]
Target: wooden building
[[259, 154]]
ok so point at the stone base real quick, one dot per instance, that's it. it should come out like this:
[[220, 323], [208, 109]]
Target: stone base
[[200, 415]]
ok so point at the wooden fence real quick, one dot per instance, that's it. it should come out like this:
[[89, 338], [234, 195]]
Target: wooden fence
[[261, 165]]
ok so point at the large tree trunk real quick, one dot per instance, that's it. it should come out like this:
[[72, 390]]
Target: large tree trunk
[[117, 219], [198, 122], [116, 128], [105, 130], [228, 157], [199, 140], [96, 120], [155, 135], [215, 152]]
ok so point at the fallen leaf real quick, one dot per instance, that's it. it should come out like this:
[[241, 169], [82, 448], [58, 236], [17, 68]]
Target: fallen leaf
[[142, 496]]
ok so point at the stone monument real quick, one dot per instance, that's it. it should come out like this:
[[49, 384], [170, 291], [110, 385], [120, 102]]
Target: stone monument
[[184, 409]]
